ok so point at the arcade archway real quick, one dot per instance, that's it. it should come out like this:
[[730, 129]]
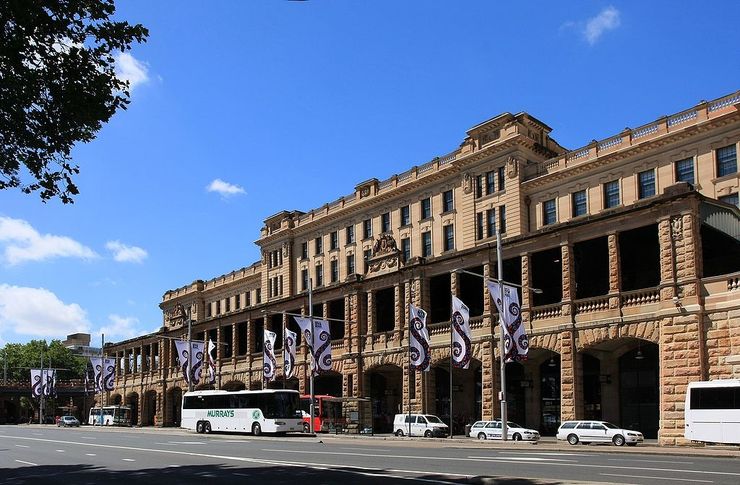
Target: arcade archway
[[384, 384]]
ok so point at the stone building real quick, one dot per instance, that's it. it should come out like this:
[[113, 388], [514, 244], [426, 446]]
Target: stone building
[[634, 241]]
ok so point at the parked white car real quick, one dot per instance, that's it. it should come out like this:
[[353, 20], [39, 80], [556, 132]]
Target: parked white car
[[597, 432], [426, 425], [491, 430]]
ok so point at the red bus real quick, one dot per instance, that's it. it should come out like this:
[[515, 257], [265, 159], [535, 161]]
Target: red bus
[[327, 413]]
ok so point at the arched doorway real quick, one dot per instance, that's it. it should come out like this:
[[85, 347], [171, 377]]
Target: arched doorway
[[329, 384], [467, 394], [550, 395], [116, 399], [174, 403], [639, 389], [516, 405], [592, 380], [132, 401], [385, 386], [150, 408]]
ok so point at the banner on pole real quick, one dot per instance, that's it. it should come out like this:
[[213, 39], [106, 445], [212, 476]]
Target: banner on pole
[[289, 353], [36, 383], [318, 339], [461, 346], [419, 341], [322, 344], [191, 360], [516, 342], [97, 365], [109, 375], [269, 363], [211, 362]]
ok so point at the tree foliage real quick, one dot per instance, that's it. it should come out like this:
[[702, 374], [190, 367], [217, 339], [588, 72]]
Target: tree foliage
[[23, 357], [57, 87]]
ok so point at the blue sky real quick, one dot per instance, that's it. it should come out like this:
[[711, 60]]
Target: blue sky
[[288, 105]]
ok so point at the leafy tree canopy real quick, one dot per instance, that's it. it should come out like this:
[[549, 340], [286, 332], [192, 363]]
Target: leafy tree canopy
[[57, 87], [23, 357]]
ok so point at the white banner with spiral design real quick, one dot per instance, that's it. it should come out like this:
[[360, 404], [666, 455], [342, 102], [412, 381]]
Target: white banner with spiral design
[[289, 353], [516, 342], [269, 363], [461, 346]]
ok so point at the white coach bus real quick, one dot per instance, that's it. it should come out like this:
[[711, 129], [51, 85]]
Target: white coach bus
[[268, 411], [712, 411]]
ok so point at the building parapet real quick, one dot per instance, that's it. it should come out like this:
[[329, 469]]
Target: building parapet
[[636, 136]]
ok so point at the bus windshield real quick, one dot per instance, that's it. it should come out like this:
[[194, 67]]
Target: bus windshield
[[284, 405]]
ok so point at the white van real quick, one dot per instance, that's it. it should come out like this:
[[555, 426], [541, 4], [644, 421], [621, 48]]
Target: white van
[[712, 411], [427, 425]]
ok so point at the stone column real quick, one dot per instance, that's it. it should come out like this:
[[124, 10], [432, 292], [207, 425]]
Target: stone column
[[568, 280], [454, 284], [234, 342], [571, 401], [489, 371], [398, 314], [370, 314], [682, 346], [615, 280], [526, 293], [487, 306]]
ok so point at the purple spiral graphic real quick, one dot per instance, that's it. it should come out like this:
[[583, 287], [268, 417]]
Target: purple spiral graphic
[[184, 366], [289, 359], [109, 377], [457, 347], [271, 364], [416, 326], [35, 390], [326, 360]]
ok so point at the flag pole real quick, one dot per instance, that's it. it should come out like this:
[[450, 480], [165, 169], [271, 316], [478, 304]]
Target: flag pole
[[500, 268], [285, 377], [102, 377], [408, 406], [452, 328], [41, 394], [189, 376], [310, 318]]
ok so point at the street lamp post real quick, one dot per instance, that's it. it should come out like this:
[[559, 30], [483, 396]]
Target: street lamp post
[[500, 281]]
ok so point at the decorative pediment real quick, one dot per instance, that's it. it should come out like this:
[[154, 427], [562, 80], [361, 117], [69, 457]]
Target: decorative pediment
[[385, 255], [175, 317]]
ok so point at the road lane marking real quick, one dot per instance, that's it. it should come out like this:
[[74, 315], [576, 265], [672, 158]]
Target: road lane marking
[[88, 437], [182, 443], [27, 463], [60, 451], [90, 454], [312, 465], [528, 458], [656, 478], [654, 461], [22, 446], [127, 459]]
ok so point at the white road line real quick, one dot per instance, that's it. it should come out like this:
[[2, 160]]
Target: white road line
[[242, 474], [90, 454], [27, 463], [60, 451], [530, 458], [654, 462], [88, 437], [656, 478], [22, 446], [426, 472], [127, 459]]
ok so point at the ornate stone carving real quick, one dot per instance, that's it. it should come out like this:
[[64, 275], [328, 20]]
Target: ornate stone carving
[[467, 183], [364, 192], [286, 248], [512, 167], [384, 245], [676, 228], [175, 316]]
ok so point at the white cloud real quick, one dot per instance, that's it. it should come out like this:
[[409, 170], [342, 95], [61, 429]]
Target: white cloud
[[126, 254], [24, 243], [607, 19], [130, 69], [39, 312], [120, 328], [224, 188]]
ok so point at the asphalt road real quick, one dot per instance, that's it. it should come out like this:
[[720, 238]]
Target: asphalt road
[[36, 455]]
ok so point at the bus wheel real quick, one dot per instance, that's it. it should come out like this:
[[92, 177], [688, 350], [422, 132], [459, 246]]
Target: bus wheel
[[199, 427], [256, 429], [207, 427]]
